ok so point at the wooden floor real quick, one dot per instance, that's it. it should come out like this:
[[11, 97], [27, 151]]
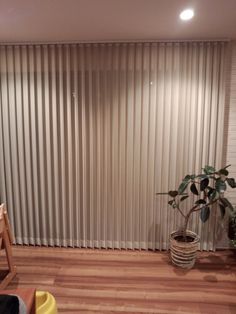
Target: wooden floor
[[107, 281]]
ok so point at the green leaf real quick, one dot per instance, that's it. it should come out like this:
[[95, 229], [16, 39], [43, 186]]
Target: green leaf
[[201, 201], [205, 213], [209, 170], [231, 182], [183, 187], [210, 191], [224, 172], [220, 185], [212, 194], [173, 193], [204, 184], [193, 189], [222, 210], [223, 201], [226, 203], [187, 177], [171, 202], [183, 198]]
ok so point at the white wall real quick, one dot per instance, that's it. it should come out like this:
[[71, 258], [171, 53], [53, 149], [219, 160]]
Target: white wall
[[229, 144], [231, 141]]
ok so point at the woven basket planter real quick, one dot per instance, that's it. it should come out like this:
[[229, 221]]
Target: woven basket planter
[[183, 254]]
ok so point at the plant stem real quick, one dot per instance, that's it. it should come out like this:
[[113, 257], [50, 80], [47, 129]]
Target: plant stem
[[180, 210]]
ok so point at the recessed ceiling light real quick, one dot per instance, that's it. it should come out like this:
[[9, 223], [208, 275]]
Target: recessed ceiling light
[[186, 15]]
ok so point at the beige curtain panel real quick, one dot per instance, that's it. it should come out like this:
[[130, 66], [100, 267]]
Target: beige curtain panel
[[90, 132]]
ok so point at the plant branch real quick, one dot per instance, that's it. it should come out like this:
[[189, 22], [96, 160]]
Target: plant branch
[[205, 205], [195, 208]]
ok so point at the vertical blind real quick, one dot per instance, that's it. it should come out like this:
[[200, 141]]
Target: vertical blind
[[90, 132]]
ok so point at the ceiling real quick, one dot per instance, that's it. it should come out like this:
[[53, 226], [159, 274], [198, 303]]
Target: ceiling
[[114, 20]]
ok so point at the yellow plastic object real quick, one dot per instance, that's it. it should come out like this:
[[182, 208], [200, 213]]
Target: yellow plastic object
[[45, 303]]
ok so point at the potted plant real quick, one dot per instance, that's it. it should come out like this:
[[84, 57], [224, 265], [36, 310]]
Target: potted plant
[[205, 189], [232, 227]]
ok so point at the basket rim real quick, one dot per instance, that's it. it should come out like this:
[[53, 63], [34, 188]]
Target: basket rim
[[190, 233]]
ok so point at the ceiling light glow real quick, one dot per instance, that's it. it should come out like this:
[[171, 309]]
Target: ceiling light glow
[[186, 15]]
